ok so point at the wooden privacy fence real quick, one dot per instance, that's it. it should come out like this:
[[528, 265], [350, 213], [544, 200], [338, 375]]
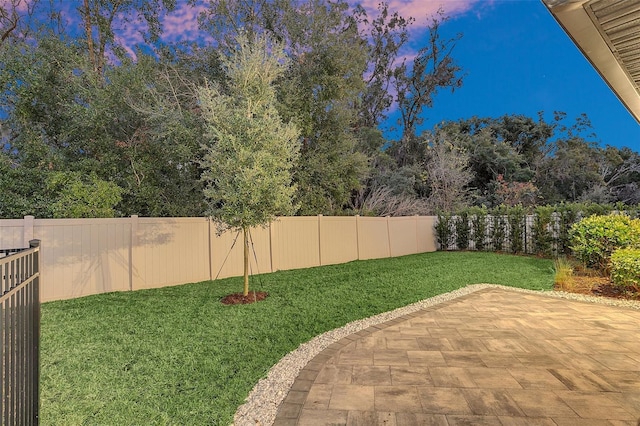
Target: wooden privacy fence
[[19, 335], [81, 257]]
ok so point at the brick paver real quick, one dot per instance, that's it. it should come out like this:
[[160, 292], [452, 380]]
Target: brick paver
[[493, 357]]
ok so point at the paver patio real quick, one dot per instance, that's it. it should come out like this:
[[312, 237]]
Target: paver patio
[[493, 357]]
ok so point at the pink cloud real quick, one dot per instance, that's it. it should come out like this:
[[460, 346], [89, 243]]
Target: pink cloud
[[420, 10], [182, 24], [20, 6]]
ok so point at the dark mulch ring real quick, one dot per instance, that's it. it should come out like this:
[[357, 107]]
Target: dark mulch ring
[[585, 282], [240, 299], [617, 292]]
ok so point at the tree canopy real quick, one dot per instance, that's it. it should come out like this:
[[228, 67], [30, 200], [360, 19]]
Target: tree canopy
[[249, 152]]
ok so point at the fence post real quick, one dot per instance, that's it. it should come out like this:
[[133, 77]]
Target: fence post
[[417, 236], [133, 244], [320, 239], [388, 234], [358, 235], [35, 337], [210, 254]]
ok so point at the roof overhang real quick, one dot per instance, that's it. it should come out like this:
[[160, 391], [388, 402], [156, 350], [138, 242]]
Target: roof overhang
[[608, 34]]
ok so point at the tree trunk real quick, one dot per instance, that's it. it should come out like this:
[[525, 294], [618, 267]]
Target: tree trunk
[[245, 231], [88, 32]]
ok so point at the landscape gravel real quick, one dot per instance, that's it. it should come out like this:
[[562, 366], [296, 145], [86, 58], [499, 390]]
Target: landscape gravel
[[262, 403]]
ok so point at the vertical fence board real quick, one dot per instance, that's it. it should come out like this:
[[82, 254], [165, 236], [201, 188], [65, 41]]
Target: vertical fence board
[[170, 251], [296, 243], [228, 258], [338, 239], [81, 257], [11, 233], [402, 236], [373, 238]]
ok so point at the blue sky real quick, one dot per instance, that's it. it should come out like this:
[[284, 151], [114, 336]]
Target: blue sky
[[518, 60]]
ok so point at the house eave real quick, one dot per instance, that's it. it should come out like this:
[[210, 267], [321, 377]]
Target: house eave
[[608, 34]]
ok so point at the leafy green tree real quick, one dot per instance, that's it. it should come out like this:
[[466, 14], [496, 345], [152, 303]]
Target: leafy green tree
[[324, 89], [490, 155], [250, 152], [620, 169], [138, 127], [82, 196], [571, 173], [321, 92], [21, 191]]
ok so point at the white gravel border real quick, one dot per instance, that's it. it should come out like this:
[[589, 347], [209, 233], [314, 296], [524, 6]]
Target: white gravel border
[[262, 403]]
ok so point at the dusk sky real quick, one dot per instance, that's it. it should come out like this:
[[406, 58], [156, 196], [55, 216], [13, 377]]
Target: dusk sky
[[516, 60], [519, 60]]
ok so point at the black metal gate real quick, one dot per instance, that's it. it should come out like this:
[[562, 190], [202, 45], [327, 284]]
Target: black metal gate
[[20, 335]]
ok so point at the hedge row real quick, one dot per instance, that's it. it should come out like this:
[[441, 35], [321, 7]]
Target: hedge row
[[543, 230]]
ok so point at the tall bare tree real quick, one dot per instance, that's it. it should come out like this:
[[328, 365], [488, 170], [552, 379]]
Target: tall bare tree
[[448, 175], [432, 69]]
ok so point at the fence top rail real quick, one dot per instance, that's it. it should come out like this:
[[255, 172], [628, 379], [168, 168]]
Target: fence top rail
[[11, 222], [8, 255], [11, 251]]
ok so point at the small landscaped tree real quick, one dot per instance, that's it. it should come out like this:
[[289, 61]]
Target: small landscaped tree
[[249, 151]]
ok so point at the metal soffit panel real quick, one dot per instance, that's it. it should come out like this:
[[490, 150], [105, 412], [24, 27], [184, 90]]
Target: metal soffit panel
[[608, 34], [619, 24]]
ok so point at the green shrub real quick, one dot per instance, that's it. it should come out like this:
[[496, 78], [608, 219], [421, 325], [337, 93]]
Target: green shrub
[[498, 231], [463, 230], [516, 217], [596, 237], [444, 231], [625, 267], [542, 230], [567, 214], [479, 224]]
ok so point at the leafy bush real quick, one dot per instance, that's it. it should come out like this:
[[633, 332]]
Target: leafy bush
[[516, 218], [463, 230], [479, 225], [596, 237], [81, 195], [625, 267], [498, 231], [444, 230], [542, 230], [568, 214]]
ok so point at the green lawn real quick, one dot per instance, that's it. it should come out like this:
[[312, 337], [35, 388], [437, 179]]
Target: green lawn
[[178, 356]]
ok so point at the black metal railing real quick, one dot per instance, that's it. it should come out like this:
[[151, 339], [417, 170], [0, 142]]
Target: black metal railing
[[20, 335]]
